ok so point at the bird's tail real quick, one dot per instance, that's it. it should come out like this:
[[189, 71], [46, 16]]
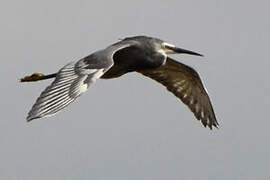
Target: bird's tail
[[37, 77]]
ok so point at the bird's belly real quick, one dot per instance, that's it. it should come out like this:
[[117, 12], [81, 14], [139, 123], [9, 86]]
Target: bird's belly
[[123, 65], [118, 70]]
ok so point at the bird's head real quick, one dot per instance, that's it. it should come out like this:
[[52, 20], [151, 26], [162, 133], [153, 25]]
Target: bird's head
[[158, 45], [167, 48]]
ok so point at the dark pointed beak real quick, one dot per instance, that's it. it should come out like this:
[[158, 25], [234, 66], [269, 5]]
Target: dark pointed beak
[[182, 51]]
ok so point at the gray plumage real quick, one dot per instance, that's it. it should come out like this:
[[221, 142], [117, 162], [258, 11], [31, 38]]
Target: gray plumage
[[72, 81], [142, 54]]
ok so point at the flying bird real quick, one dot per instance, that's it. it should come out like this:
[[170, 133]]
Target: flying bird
[[145, 55]]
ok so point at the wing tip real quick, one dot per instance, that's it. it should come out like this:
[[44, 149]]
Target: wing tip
[[210, 124], [32, 117]]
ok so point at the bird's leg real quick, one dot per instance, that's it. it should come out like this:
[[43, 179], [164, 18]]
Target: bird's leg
[[37, 77]]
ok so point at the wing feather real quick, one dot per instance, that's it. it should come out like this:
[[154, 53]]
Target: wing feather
[[185, 83], [72, 81], [68, 86], [56, 96]]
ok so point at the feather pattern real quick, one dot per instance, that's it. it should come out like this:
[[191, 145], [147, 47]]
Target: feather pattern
[[185, 83], [72, 81], [68, 86]]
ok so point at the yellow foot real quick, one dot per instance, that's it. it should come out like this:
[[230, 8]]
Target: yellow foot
[[33, 77]]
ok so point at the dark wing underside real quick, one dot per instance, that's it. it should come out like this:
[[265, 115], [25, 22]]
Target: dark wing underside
[[185, 83]]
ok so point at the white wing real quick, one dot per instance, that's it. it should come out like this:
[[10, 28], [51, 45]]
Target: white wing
[[67, 86], [72, 81]]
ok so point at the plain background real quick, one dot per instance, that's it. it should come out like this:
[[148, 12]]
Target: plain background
[[131, 127]]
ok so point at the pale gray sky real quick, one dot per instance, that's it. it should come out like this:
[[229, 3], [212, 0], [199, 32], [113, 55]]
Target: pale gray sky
[[131, 127]]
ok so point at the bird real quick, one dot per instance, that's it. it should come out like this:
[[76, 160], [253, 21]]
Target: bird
[[142, 54]]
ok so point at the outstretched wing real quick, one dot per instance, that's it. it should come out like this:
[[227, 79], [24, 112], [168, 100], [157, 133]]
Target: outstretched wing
[[72, 81], [185, 83]]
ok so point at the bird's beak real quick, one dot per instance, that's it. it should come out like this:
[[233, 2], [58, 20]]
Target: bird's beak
[[173, 49]]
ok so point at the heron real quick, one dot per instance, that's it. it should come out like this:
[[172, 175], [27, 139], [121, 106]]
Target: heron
[[145, 55]]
